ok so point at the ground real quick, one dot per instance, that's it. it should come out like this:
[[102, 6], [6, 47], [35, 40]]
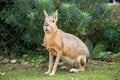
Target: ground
[[95, 70]]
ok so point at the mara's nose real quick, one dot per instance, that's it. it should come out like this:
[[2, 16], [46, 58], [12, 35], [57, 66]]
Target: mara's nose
[[46, 24]]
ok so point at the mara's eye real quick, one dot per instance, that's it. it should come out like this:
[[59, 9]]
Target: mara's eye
[[46, 24], [53, 21]]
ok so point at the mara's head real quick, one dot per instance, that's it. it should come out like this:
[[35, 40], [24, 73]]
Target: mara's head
[[50, 22]]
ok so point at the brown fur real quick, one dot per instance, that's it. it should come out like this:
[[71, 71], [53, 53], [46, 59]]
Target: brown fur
[[63, 45]]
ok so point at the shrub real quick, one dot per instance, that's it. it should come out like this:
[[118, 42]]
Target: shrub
[[22, 21]]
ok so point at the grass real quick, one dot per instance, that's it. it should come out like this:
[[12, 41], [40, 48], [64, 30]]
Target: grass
[[95, 70]]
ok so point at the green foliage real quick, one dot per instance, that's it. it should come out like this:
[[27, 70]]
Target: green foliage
[[117, 55], [69, 16], [97, 51], [22, 21], [89, 45], [83, 26], [33, 59]]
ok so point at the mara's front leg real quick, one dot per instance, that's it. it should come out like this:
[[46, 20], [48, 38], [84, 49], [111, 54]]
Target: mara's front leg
[[58, 57], [50, 63]]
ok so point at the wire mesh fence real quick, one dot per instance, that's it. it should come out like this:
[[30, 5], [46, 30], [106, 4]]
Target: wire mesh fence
[[17, 36]]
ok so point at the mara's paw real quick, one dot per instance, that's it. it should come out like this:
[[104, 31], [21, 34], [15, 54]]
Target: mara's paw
[[74, 70], [47, 72], [52, 74], [82, 69]]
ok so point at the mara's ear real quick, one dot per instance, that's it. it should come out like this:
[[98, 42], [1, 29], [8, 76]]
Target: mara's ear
[[55, 15], [45, 13]]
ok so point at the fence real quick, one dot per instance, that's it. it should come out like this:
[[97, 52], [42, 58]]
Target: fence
[[17, 36]]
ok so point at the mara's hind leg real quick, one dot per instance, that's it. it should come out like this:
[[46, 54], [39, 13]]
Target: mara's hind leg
[[82, 63]]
